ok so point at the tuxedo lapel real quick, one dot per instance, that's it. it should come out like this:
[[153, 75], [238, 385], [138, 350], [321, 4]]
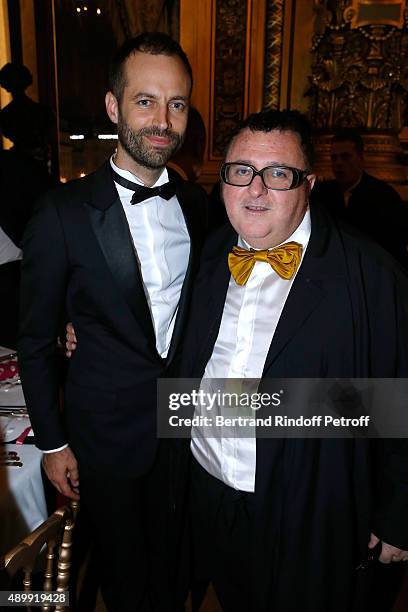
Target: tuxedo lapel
[[192, 220], [108, 221], [320, 266], [186, 290], [304, 297], [211, 290]]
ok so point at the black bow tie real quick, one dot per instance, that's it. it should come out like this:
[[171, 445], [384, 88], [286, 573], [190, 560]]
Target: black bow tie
[[141, 192]]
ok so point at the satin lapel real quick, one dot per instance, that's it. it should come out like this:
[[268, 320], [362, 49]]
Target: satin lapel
[[194, 224], [304, 297], [188, 209], [212, 286], [308, 288], [111, 229]]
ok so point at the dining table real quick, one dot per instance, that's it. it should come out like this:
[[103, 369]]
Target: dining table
[[22, 499]]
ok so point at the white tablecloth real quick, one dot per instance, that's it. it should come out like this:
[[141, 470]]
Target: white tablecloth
[[5, 352], [11, 395], [22, 500]]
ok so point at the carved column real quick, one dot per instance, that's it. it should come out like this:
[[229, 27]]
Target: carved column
[[225, 42], [273, 54]]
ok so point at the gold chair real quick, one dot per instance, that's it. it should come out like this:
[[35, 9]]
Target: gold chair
[[55, 532]]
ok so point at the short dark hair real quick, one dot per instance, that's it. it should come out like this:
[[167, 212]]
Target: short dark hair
[[155, 43], [350, 135], [283, 121], [15, 77]]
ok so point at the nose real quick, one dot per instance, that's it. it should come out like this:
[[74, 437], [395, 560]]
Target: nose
[[162, 117], [257, 187]]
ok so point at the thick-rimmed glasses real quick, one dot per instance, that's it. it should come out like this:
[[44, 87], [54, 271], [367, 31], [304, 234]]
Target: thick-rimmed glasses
[[281, 178]]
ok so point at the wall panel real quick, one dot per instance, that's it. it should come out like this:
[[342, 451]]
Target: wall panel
[[225, 42]]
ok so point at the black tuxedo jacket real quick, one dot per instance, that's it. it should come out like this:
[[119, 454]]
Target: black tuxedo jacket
[[79, 261], [317, 500]]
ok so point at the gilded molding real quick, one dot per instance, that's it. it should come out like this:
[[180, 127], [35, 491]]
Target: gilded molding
[[229, 70], [123, 18], [359, 74], [273, 53]]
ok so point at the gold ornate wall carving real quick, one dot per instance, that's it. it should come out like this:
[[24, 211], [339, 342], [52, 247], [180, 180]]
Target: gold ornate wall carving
[[359, 78], [229, 70], [359, 75], [131, 17], [273, 53], [225, 42]]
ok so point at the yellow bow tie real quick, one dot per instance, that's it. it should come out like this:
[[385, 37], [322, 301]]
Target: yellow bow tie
[[284, 260]]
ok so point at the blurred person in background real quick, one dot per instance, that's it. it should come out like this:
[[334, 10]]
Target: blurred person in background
[[364, 201]]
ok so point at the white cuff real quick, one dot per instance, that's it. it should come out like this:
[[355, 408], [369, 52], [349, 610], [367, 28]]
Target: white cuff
[[55, 450]]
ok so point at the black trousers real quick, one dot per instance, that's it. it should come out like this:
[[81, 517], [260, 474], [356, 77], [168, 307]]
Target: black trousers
[[128, 522], [222, 520]]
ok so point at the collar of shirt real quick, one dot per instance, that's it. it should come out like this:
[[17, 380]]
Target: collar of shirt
[[358, 181], [163, 178], [349, 191]]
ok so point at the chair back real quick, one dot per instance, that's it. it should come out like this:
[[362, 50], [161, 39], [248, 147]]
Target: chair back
[[55, 534]]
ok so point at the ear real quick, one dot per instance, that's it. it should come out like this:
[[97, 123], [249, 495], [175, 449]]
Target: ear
[[112, 107], [310, 179]]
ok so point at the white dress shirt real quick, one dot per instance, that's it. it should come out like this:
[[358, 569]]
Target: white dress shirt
[[250, 317], [162, 245], [8, 250], [349, 192]]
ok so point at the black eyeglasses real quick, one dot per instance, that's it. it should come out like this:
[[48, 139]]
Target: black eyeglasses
[[281, 178]]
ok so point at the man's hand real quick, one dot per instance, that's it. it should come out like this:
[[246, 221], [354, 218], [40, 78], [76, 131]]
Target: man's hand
[[388, 552], [62, 470], [71, 342]]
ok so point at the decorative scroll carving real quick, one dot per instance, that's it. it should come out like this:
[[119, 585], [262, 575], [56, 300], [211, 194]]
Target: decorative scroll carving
[[123, 18], [359, 76], [229, 73], [131, 17], [273, 56]]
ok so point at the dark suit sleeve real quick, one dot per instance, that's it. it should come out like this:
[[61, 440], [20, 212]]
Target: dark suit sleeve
[[391, 514], [43, 288], [390, 518]]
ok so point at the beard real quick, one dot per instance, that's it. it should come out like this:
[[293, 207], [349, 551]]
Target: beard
[[139, 150]]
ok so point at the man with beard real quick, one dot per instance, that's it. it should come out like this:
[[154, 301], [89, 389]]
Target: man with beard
[[115, 252]]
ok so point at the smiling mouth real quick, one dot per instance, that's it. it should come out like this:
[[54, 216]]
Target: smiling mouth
[[256, 209], [158, 141]]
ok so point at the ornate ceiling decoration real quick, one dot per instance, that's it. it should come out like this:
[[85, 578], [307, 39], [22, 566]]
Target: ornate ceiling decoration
[[359, 74]]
